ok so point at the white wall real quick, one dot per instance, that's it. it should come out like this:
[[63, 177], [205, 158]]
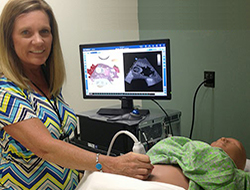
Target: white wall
[[90, 21]]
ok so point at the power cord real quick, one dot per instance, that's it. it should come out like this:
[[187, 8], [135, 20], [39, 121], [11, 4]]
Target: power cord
[[194, 100], [170, 129]]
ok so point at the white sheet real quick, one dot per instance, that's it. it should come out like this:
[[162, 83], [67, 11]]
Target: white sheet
[[247, 168], [105, 181]]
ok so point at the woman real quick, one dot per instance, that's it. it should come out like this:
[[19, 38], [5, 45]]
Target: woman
[[34, 119]]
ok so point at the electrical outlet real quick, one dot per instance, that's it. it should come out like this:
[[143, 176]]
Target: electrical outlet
[[209, 76]]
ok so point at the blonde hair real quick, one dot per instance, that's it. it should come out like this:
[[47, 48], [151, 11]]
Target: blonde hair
[[9, 62]]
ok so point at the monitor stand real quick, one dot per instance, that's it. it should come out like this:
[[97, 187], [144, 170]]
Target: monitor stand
[[127, 106]]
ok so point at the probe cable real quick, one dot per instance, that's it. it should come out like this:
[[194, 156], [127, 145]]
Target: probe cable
[[138, 146]]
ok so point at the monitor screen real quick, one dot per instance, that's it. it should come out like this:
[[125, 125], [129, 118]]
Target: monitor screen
[[126, 70]]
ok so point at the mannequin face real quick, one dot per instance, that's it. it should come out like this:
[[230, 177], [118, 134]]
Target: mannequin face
[[234, 149]]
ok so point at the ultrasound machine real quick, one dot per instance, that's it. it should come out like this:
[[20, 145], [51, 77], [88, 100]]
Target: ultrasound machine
[[125, 71]]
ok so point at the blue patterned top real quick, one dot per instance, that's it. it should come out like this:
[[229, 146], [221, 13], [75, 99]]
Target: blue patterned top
[[19, 167]]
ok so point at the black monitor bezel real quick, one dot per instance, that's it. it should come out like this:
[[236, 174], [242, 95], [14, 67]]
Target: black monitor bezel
[[125, 43]]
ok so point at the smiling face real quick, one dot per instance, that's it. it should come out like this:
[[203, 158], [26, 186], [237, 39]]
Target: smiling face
[[32, 38], [234, 149]]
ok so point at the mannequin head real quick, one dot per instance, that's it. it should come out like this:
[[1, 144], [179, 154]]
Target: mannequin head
[[234, 149]]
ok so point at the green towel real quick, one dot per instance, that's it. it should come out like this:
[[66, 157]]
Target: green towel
[[207, 167]]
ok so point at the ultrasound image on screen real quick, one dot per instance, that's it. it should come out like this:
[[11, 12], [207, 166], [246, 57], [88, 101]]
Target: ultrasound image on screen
[[143, 71]]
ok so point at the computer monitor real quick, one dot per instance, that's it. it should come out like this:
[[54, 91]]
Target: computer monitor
[[126, 71]]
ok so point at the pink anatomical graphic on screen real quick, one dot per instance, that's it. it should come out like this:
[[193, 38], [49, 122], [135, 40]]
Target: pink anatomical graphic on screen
[[102, 74]]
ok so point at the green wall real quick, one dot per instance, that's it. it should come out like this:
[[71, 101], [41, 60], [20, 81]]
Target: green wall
[[205, 36]]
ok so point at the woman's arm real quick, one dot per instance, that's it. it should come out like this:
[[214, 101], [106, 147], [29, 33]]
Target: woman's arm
[[33, 135]]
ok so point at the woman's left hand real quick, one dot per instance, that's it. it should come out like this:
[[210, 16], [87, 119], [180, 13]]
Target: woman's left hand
[[130, 164]]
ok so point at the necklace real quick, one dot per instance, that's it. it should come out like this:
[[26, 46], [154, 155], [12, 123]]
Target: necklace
[[63, 136]]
